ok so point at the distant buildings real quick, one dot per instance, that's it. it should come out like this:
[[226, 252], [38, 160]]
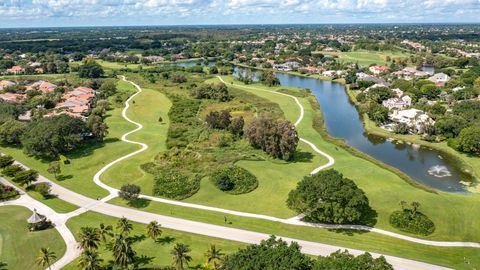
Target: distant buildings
[[15, 70], [415, 45]]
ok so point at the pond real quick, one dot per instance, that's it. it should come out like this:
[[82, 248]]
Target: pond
[[342, 120]]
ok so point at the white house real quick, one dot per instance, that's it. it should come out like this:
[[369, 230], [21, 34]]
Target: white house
[[415, 119], [397, 103], [439, 79]]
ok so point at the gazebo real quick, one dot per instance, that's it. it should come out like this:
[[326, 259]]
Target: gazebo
[[37, 221]]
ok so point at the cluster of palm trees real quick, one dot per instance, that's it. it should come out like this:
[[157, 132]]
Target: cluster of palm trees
[[119, 242]]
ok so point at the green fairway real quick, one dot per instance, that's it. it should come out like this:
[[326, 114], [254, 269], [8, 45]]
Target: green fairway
[[373, 242], [146, 109], [159, 252], [84, 163], [366, 58], [19, 247]]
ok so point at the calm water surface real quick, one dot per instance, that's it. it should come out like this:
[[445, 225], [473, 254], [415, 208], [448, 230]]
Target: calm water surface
[[342, 120]]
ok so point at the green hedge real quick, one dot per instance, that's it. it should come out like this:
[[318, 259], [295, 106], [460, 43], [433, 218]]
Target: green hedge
[[174, 185], [417, 223], [234, 180]]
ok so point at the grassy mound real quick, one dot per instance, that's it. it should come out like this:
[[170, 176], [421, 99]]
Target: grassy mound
[[234, 180], [174, 185]]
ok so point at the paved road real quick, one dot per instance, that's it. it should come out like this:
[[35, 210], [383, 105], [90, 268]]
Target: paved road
[[59, 220]]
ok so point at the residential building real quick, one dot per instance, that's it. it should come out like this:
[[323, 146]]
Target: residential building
[[415, 119], [377, 70], [439, 79]]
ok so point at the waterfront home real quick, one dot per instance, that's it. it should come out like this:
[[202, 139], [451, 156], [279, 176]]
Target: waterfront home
[[377, 70], [366, 77], [287, 66], [410, 73], [439, 79], [415, 119], [397, 103]]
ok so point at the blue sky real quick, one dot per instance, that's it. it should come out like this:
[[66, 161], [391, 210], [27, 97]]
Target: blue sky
[[27, 13]]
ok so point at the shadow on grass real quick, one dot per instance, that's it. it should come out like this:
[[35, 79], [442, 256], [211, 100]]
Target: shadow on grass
[[139, 203], [64, 177], [89, 147], [165, 240], [303, 157], [138, 238], [142, 260]]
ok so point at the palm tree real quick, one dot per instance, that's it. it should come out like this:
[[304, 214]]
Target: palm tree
[[90, 260], [124, 226], [3, 265], [105, 231], [180, 255], [214, 256], [89, 238], [415, 206], [403, 205], [153, 230], [122, 250], [45, 257]]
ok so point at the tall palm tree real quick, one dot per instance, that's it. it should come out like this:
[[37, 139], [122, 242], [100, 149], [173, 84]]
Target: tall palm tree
[[90, 260], [105, 231], [180, 255], [214, 256], [154, 230], [89, 238], [123, 253], [124, 226], [3, 265], [45, 257]]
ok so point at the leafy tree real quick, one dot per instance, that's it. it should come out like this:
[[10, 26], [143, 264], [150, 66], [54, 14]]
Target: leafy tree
[[6, 161], [268, 78], [54, 135], [154, 230], [3, 265], [469, 140], [11, 170], [46, 257], [107, 89], [104, 231], [11, 132], [8, 112], [123, 253], [90, 69], [97, 126], [129, 192], [468, 109], [54, 168], [328, 197], [345, 260], [236, 126], [365, 84], [44, 189], [212, 91], [25, 177], [89, 238], [180, 256], [269, 254], [450, 125], [379, 94], [377, 113], [277, 138], [218, 120], [430, 91], [90, 260], [214, 256], [401, 128], [124, 226]]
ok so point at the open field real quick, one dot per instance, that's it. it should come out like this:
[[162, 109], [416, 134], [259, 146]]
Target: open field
[[365, 58], [19, 247], [158, 252]]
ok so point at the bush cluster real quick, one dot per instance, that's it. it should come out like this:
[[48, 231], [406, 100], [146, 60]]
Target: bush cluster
[[412, 221], [211, 91], [7, 192], [234, 180], [175, 185]]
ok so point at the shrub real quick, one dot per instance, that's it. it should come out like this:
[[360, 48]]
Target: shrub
[[7, 192], [175, 185], [211, 91], [6, 161], [179, 78], [401, 128], [218, 120], [328, 197], [44, 189], [11, 170], [25, 177], [129, 192], [234, 180], [417, 223]]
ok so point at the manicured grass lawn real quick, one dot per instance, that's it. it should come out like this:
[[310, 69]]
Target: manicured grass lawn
[[366, 58], [19, 247], [159, 252], [78, 175], [373, 242], [55, 203], [146, 109], [455, 216]]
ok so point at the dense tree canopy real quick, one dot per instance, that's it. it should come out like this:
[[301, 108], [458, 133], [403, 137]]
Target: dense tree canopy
[[90, 69], [278, 137], [212, 91], [54, 135], [328, 197]]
